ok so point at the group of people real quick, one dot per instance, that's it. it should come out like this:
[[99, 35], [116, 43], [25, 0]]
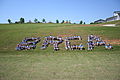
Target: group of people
[[55, 41], [74, 38], [97, 41], [28, 43], [68, 45], [79, 47]]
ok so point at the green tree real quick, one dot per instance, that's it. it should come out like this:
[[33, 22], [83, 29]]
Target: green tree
[[69, 22], [81, 22], [91, 23], [9, 21], [22, 20], [43, 20], [84, 23], [57, 21], [62, 21], [36, 20]]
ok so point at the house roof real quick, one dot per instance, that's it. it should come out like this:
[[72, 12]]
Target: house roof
[[116, 11], [99, 21], [111, 17]]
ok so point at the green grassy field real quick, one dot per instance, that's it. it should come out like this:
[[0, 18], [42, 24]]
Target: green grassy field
[[99, 64]]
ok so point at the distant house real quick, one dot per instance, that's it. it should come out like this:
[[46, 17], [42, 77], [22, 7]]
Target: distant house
[[99, 21], [116, 16], [111, 19], [67, 22]]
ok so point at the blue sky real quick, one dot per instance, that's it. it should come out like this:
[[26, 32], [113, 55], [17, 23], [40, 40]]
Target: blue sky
[[74, 10]]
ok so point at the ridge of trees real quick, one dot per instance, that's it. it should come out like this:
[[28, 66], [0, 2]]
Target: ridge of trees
[[22, 21]]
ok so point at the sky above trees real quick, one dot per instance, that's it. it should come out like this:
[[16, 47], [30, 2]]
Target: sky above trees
[[51, 10]]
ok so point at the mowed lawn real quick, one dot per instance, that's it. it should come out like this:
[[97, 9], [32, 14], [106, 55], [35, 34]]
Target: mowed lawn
[[37, 64]]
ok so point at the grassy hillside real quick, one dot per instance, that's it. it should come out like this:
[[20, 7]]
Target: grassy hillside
[[99, 64]]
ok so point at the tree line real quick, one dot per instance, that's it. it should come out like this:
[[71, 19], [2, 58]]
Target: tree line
[[22, 20]]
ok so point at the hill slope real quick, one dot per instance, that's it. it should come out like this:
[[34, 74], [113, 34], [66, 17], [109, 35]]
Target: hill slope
[[37, 64]]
